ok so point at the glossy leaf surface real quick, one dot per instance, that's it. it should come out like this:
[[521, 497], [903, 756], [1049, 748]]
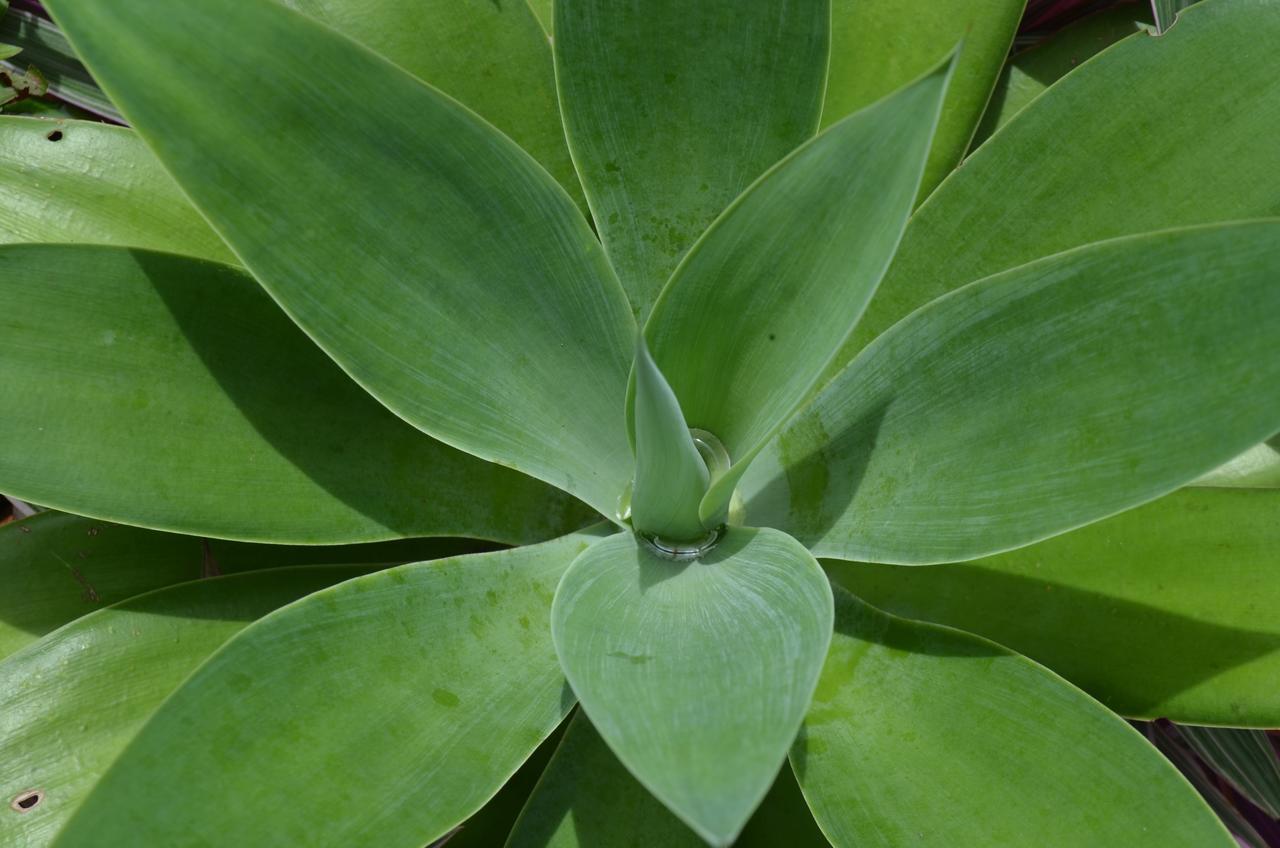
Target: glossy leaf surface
[[95, 184], [880, 45], [424, 686], [587, 799], [426, 253], [1206, 85], [926, 736], [671, 477], [1036, 401], [673, 108], [764, 299], [172, 393], [1165, 610], [57, 567], [696, 673], [493, 57], [71, 702]]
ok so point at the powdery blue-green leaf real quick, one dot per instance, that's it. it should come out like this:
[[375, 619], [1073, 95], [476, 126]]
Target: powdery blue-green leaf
[[672, 108], [766, 296], [696, 672], [1163, 610], [76, 181], [1192, 119], [671, 476], [423, 687], [1036, 401], [926, 736], [71, 702], [433, 259], [56, 567], [493, 57], [171, 393], [587, 799], [879, 45]]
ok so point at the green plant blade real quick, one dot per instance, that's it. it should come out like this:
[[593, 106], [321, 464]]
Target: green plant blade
[[95, 184], [424, 687], [45, 47], [168, 392], [490, 827], [425, 252], [1036, 401], [880, 45], [493, 57], [542, 9], [71, 702], [1256, 468], [587, 799], [1029, 72], [1246, 758], [1159, 611], [913, 723], [673, 108], [643, 641], [1019, 198], [57, 567], [671, 477], [804, 247]]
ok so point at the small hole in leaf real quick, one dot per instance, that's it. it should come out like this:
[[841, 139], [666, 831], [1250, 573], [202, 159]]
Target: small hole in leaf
[[27, 801], [56, 135]]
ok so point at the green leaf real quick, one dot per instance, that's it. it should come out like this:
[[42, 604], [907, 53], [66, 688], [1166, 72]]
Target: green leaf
[[926, 736], [643, 641], [673, 108], [8, 51], [587, 799], [57, 567], [383, 711], [671, 477], [493, 57], [1028, 73], [45, 47], [1166, 12], [764, 299], [542, 10], [1036, 401], [71, 702], [1165, 610], [424, 251], [1210, 104], [76, 181], [1256, 468], [1245, 758], [172, 393], [880, 45]]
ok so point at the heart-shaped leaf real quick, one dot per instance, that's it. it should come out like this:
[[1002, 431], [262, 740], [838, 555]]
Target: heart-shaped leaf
[[926, 736], [696, 672], [1036, 401]]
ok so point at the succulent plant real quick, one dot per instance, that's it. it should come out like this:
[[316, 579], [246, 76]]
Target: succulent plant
[[842, 495]]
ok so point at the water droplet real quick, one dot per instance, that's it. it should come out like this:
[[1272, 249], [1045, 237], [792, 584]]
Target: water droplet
[[682, 551]]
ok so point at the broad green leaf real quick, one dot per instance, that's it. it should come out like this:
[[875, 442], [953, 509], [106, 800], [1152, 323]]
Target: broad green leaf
[[587, 799], [1165, 610], [926, 736], [1246, 758], [56, 567], [542, 10], [1036, 401], [1191, 126], [1256, 468], [172, 393], [671, 477], [71, 702], [45, 47], [673, 108], [421, 688], [764, 299], [424, 251], [76, 181], [879, 45], [1028, 73], [644, 641], [493, 57]]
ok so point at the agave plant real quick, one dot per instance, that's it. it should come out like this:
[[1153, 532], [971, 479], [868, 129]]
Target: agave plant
[[369, 272]]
